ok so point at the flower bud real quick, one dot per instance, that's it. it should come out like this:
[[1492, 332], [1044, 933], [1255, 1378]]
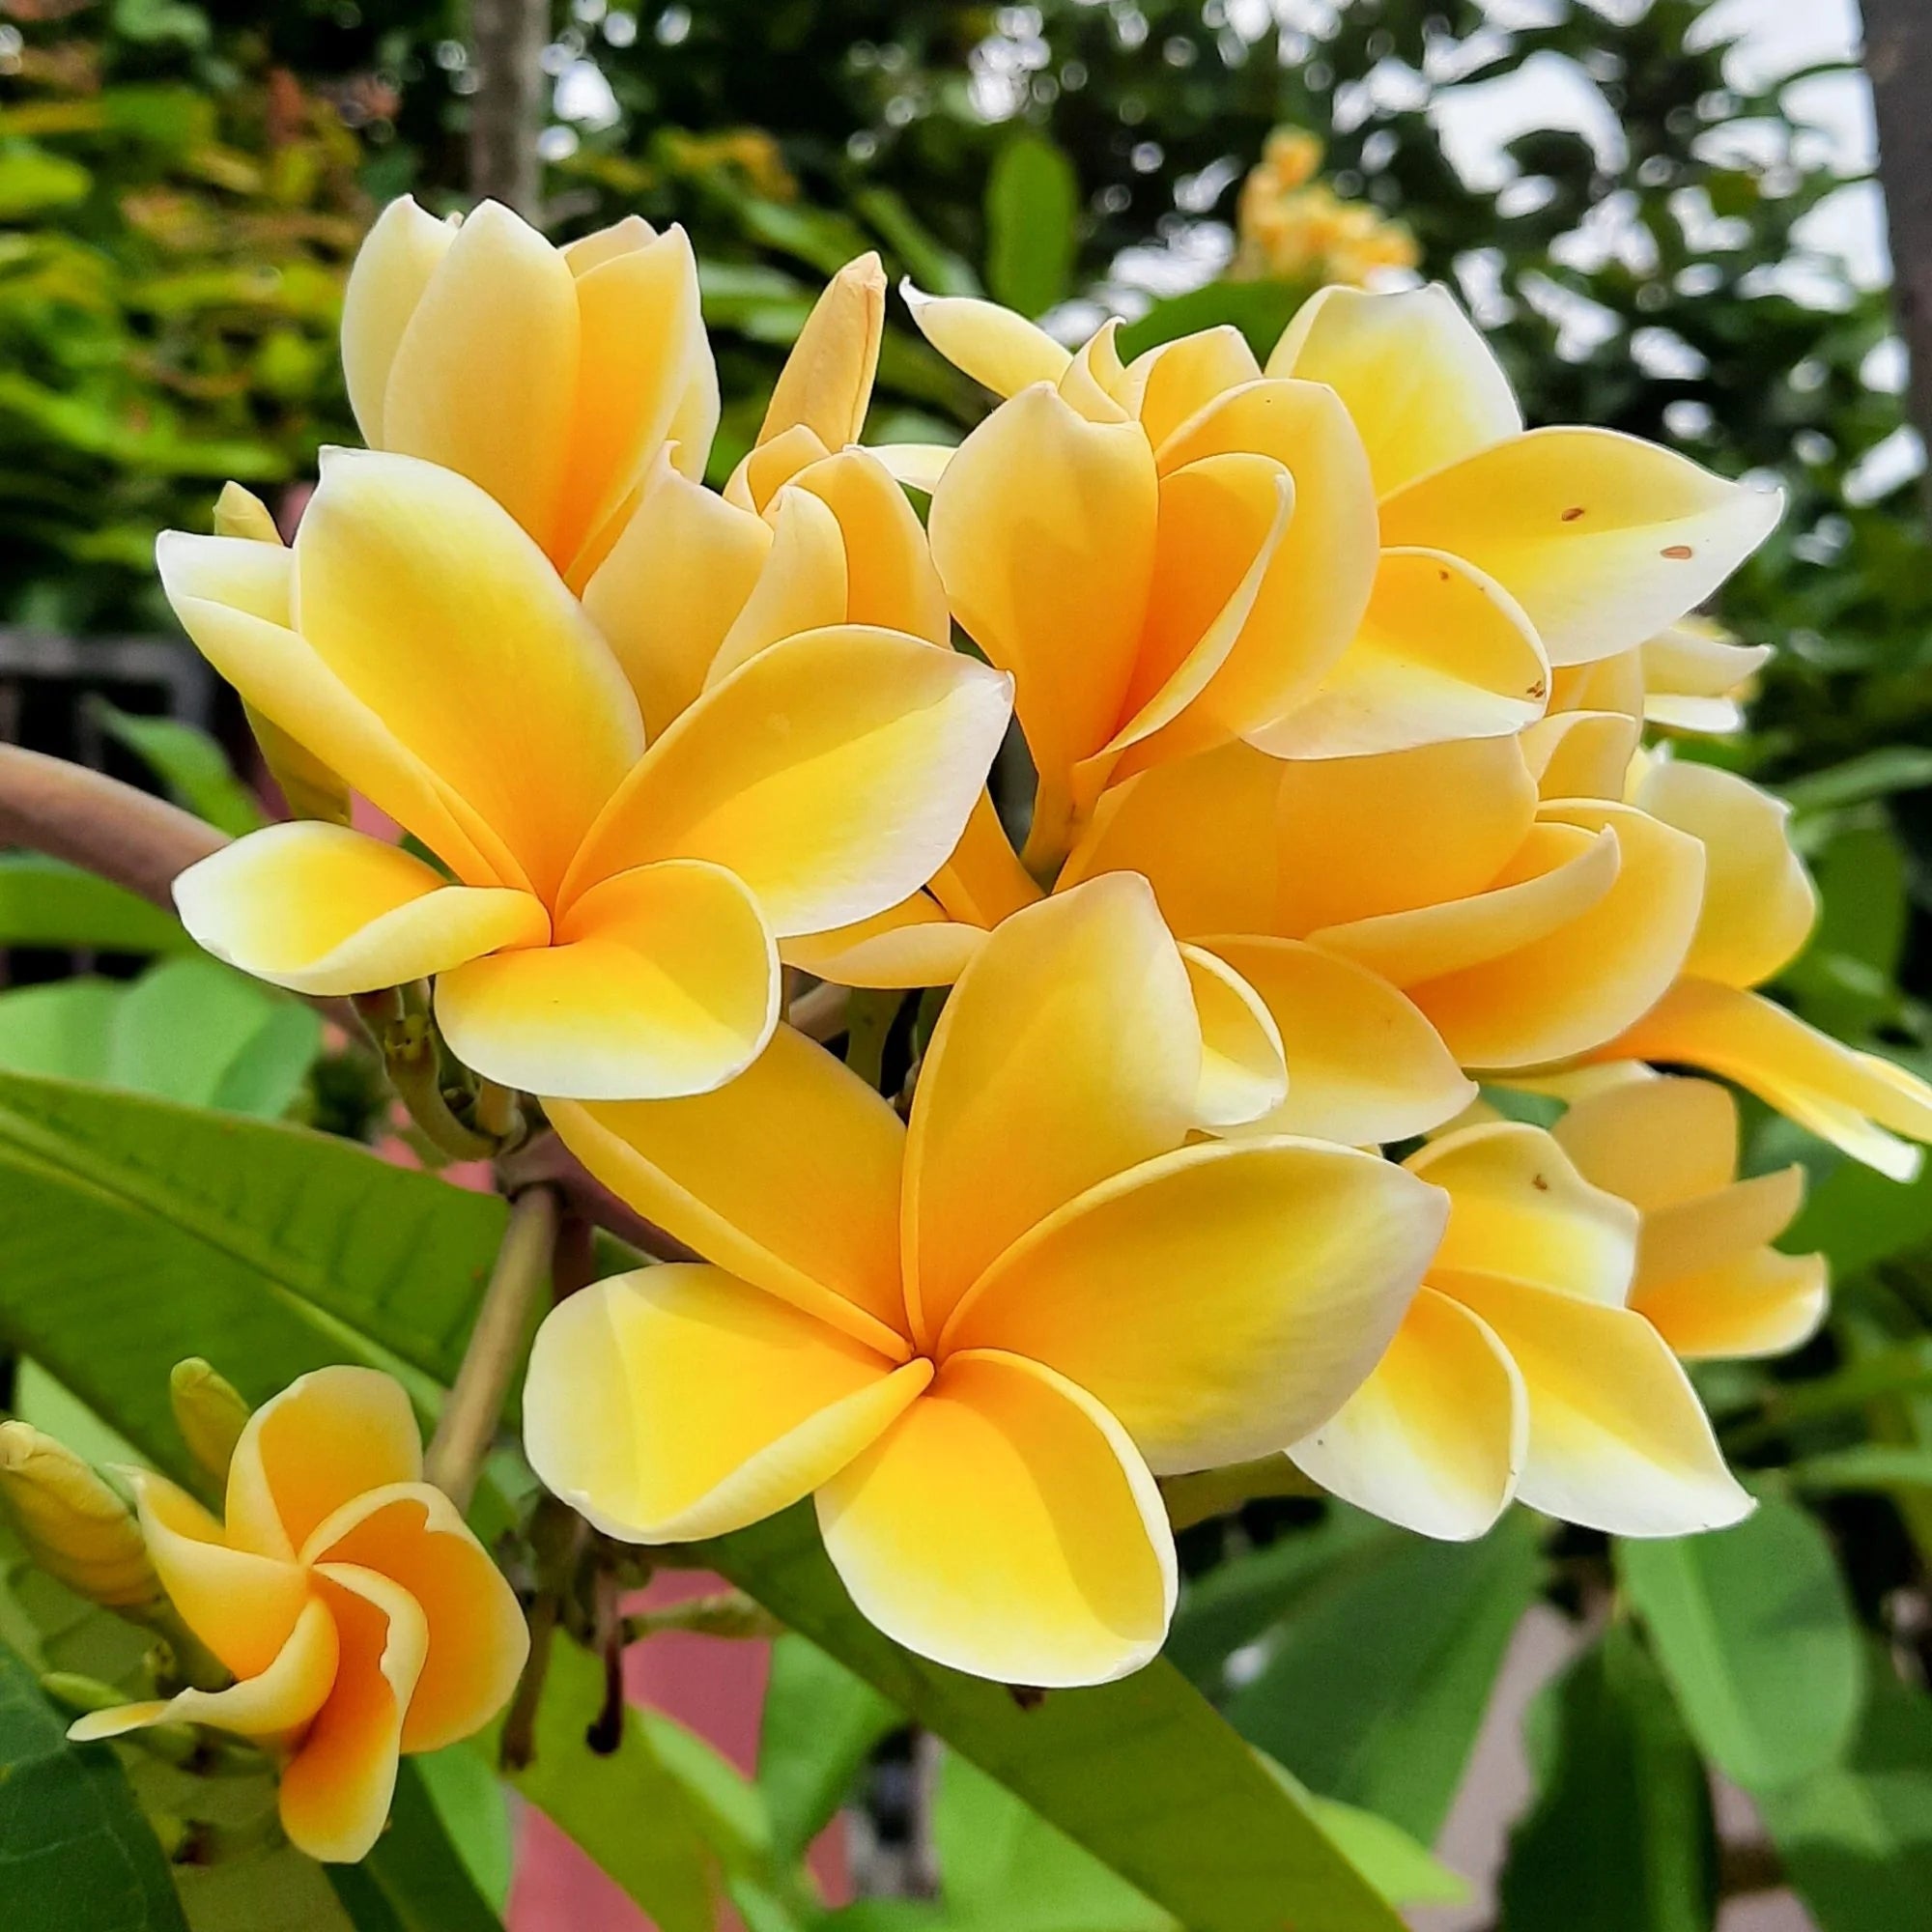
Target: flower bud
[[75, 1527], [208, 1412], [241, 513]]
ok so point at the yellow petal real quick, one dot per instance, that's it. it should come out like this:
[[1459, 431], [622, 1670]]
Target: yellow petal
[[889, 577], [1657, 1142], [1566, 993], [801, 584], [1614, 683], [1557, 876], [1582, 754], [919, 465], [1006, 1527], [680, 1402], [912, 944], [983, 880], [1094, 381], [233, 598], [1693, 673], [1695, 1237], [771, 466], [1070, 1050], [1363, 1065], [662, 980], [1844, 1096], [1518, 1209], [1318, 582], [272, 1705], [811, 1217], [1171, 382], [1618, 1438], [1603, 538], [642, 355], [1201, 831], [335, 1790], [1442, 653], [475, 1638], [1763, 1303], [243, 1606], [393, 267], [323, 910], [1000, 350], [1243, 1074], [1759, 903], [484, 377], [1423, 387], [443, 617], [827, 380], [1435, 1439], [1044, 532], [833, 773], [327, 1438], [1222, 1301], [1360, 837], [673, 585]]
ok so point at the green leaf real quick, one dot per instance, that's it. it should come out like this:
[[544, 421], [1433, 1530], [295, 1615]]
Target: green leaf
[[1403, 1871], [1861, 1217], [471, 1803], [1865, 1465], [63, 1031], [820, 1725], [625, 1809], [1518, 1103], [1855, 1837], [1377, 1682], [1259, 310], [1845, 980], [1891, 768], [1185, 1811], [926, 259], [46, 902], [76, 1853], [194, 767], [33, 181], [195, 1031], [413, 1880], [1754, 1631], [1620, 1838], [134, 1231], [1033, 212]]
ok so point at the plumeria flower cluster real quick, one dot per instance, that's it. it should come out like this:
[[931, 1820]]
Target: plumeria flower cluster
[[1334, 677]]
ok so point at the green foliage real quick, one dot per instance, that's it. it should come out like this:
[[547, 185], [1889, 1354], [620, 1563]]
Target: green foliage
[[820, 1723], [75, 1850], [190, 764], [45, 902], [1033, 204], [413, 1881], [1755, 1632], [1620, 1838]]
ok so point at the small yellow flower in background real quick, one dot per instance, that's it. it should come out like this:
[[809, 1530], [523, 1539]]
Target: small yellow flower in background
[[1290, 226], [550, 377], [608, 924], [1523, 1370], [1707, 1275], [977, 1338], [72, 1525], [359, 1615], [1757, 911]]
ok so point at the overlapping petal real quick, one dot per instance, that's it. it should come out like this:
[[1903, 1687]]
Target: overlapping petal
[[998, 349]]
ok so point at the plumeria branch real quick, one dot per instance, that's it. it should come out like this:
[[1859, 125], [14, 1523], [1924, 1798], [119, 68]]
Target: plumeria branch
[[455, 1455]]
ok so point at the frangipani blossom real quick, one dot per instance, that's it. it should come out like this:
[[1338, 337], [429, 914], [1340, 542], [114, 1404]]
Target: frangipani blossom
[[975, 1339], [359, 1615], [1757, 910], [607, 922], [1690, 677], [1707, 1276], [1399, 918], [552, 378], [1520, 1370]]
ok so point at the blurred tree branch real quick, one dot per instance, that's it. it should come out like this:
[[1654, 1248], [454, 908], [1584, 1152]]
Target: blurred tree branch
[[1898, 59], [507, 40]]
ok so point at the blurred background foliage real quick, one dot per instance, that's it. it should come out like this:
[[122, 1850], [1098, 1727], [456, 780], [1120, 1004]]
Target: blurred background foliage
[[182, 187]]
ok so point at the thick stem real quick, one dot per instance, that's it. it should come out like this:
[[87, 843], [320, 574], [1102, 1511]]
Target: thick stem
[[468, 1422], [1898, 59], [506, 111]]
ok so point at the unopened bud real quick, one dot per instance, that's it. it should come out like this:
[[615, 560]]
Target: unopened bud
[[75, 1527], [208, 1412], [241, 513]]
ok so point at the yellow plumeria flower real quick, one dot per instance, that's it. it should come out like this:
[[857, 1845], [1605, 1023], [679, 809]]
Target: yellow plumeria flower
[[550, 377], [1757, 910], [359, 1615], [1707, 1275], [977, 1338], [811, 532], [606, 928], [1522, 1371], [1692, 677]]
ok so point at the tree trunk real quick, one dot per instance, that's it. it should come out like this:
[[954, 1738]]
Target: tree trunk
[[505, 112], [1898, 59]]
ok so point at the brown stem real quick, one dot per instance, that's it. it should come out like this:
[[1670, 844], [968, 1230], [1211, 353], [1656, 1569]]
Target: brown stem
[[505, 112], [546, 1159]]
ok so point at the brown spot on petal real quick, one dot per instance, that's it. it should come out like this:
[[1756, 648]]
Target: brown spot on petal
[[1574, 511], [1678, 553], [1540, 688], [1539, 1183], [1441, 573]]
